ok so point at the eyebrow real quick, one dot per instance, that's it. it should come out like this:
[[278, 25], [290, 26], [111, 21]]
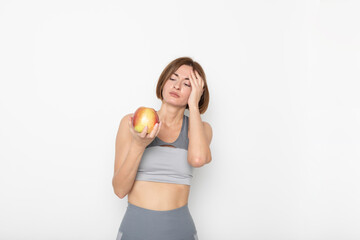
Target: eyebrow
[[178, 76]]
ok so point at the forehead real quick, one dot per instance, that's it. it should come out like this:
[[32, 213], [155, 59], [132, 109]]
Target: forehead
[[183, 71]]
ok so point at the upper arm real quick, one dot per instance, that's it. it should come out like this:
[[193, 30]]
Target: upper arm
[[122, 143], [208, 132]]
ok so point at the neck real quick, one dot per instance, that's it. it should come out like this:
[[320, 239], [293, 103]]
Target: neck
[[170, 115]]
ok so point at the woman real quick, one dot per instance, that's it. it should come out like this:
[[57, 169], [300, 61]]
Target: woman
[[155, 169]]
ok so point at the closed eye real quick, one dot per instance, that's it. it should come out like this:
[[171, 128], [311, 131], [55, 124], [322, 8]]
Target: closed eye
[[185, 83]]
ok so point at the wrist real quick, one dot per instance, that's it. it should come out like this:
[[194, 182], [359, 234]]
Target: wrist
[[193, 106], [137, 146]]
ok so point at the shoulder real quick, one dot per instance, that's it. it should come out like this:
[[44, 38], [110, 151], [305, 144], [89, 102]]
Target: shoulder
[[207, 127], [126, 117], [124, 125]]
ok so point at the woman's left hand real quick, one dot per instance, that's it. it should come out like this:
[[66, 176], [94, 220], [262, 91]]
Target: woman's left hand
[[197, 88]]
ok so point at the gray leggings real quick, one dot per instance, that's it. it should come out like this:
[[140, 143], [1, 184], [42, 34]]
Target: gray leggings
[[145, 224]]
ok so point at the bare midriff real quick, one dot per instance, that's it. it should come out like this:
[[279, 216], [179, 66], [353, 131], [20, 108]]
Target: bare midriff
[[158, 196]]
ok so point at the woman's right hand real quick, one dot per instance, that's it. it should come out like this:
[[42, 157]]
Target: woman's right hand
[[143, 139]]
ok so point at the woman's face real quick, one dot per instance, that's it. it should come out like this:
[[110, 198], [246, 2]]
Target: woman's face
[[178, 83]]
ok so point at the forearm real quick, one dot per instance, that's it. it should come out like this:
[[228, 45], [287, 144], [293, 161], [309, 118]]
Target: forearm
[[198, 149], [124, 178]]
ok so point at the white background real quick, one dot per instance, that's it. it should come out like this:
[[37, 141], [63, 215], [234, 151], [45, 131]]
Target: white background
[[284, 106]]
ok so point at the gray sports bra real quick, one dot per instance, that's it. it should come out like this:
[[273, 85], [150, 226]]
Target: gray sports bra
[[167, 164]]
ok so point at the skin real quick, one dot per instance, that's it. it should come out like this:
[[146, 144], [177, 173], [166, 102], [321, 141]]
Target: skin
[[166, 196]]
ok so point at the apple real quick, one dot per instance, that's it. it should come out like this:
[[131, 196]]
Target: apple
[[145, 116]]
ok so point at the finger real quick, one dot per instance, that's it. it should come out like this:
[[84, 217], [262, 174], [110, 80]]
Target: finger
[[197, 74], [200, 79], [194, 77], [192, 74], [195, 80], [159, 129], [191, 78], [130, 125], [152, 134], [144, 131]]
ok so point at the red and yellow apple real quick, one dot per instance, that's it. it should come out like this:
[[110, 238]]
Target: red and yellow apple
[[145, 116]]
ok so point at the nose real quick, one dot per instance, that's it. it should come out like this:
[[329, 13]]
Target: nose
[[177, 85]]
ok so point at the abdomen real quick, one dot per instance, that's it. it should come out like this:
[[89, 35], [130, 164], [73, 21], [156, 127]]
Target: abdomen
[[158, 196]]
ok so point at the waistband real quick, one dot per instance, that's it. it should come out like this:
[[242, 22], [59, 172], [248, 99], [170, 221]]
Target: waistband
[[137, 208]]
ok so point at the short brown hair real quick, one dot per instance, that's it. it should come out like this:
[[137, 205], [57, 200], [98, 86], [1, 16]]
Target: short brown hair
[[172, 67]]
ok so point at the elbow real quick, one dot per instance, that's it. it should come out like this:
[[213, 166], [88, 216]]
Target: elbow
[[120, 194], [117, 191], [208, 160], [198, 162]]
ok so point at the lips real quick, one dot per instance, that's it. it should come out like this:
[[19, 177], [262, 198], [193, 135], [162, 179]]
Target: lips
[[174, 94]]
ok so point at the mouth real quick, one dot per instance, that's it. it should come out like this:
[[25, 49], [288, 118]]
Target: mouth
[[174, 94]]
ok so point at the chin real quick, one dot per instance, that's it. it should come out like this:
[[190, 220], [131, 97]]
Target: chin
[[175, 103]]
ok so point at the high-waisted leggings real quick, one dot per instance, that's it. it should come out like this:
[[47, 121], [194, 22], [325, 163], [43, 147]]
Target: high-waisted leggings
[[144, 224]]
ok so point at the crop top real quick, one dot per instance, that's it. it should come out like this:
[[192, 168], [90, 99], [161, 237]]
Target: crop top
[[167, 164]]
